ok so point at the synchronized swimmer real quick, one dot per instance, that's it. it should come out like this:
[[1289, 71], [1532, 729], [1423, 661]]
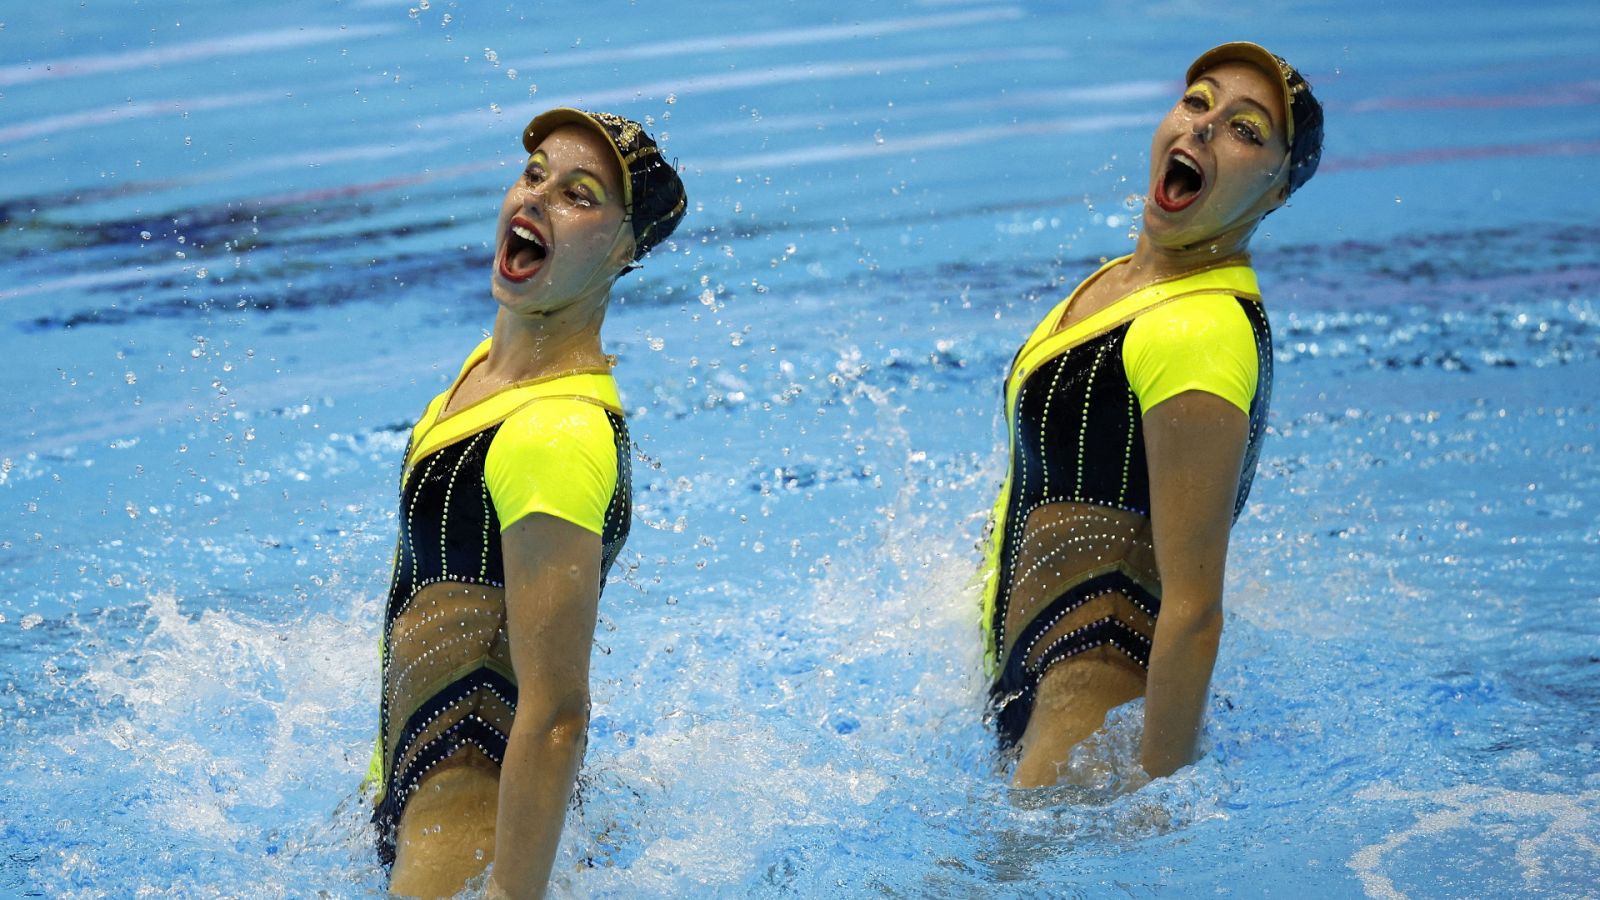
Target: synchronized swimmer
[[515, 498], [1136, 411]]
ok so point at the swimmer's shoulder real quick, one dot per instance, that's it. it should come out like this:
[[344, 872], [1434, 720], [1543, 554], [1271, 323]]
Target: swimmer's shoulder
[[1204, 341], [556, 455]]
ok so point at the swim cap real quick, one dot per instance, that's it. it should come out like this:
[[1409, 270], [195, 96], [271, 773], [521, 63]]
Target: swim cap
[[652, 193], [1301, 110]]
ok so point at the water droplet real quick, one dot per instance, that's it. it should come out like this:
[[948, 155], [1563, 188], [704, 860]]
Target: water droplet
[[31, 621], [144, 235], [671, 99], [655, 343], [511, 74], [492, 57], [188, 141], [423, 4], [130, 378], [533, 89], [1133, 202], [1397, 199], [494, 108], [413, 12], [478, 853], [202, 273], [877, 137]]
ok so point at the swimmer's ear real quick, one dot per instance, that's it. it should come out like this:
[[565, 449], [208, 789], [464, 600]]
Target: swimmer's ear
[[621, 256]]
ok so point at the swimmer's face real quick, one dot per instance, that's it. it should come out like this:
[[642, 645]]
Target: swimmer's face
[[561, 235], [1219, 160]]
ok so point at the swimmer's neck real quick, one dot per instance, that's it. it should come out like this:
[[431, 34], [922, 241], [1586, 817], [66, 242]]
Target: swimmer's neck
[[527, 347], [1154, 262]]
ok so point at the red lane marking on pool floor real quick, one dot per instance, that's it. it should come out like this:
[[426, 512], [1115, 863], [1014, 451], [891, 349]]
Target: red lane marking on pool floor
[[1581, 94], [372, 187], [1429, 155], [1350, 163]]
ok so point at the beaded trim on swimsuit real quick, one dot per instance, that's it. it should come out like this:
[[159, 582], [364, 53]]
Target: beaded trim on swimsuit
[[1076, 436], [471, 730], [1014, 692], [449, 534]]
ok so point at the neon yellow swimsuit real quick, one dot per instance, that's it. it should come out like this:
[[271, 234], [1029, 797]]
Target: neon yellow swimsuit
[[1071, 523], [556, 446]]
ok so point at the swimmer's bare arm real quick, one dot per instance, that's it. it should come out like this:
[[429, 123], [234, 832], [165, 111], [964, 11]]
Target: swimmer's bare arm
[[552, 593], [1194, 446]]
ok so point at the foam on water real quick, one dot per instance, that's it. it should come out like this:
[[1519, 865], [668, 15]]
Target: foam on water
[[227, 720]]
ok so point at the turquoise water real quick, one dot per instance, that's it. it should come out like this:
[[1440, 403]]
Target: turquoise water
[[243, 245]]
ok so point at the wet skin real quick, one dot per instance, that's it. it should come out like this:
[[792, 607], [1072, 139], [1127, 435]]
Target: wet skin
[[550, 307], [570, 194], [1229, 130], [1228, 124]]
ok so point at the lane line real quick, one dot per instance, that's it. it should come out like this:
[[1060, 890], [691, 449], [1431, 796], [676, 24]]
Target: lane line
[[936, 141], [140, 109], [68, 67], [778, 38], [96, 279], [707, 84], [1105, 93]]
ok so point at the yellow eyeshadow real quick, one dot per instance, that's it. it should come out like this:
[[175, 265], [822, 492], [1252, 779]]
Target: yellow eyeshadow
[[1263, 127], [1203, 91], [594, 186]]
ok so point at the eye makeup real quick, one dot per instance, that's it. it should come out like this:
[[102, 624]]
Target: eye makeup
[[1201, 91], [578, 178], [1257, 121], [592, 184]]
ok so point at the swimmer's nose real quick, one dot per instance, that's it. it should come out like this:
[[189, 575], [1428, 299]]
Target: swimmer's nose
[[532, 202], [1202, 133]]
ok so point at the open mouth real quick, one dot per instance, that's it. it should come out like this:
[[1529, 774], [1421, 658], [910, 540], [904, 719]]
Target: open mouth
[[524, 251], [1181, 183]]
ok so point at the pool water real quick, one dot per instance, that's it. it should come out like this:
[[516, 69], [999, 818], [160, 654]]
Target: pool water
[[242, 245]]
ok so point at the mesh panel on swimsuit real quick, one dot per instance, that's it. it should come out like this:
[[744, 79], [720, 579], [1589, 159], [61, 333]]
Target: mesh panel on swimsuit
[[1073, 565], [1085, 578], [448, 685]]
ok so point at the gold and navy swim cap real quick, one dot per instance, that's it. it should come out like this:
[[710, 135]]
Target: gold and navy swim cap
[[1302, 112], [652, 194]]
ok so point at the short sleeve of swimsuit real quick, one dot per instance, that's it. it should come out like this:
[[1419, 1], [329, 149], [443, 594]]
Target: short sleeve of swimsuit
[[555, 456], [1198, 343]]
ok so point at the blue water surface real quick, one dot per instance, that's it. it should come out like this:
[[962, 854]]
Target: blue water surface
[[243, 244]]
